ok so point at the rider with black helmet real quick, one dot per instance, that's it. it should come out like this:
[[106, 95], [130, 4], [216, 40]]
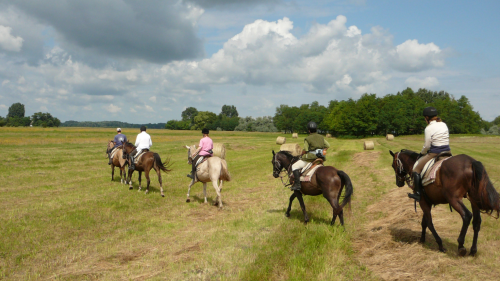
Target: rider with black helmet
[[143, 141], [313, 146], [437, 140]]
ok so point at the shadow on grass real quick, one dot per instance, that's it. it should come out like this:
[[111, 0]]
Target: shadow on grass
[[405, 235], [299, 216]]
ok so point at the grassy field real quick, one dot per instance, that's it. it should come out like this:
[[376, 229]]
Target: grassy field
[[63, 218]]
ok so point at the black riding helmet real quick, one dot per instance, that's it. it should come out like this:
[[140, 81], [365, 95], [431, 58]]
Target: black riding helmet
[[311, 126], [205, 131], [430, 111], [143, 128]]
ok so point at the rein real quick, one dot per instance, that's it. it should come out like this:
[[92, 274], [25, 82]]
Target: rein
[[285, 183], [406, 176]]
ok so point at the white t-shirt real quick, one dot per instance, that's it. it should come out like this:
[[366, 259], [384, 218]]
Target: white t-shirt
[[436, 134], [143, 141]]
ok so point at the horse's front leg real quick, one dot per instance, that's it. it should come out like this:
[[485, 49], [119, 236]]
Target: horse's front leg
[[140, 178], [112, 171], [287, 214], [302, 206], [466, 215], [426, 209], [205, 191], [189, 190], [129, 179]]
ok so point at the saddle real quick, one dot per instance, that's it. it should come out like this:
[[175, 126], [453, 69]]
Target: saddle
[[138, 157], [308, 171], [113, 151], [431, 168], [202, 159]]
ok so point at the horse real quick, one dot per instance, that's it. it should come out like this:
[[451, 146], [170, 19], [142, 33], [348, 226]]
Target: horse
[[326, 180], [213, 169], [149, 160], [459, 177], [117, 161]]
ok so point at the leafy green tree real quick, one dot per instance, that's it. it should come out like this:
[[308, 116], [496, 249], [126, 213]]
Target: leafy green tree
[[189, 114], [496, 121], [229, 111], [3, 121], [44, 120], [16, 110], [204, 118], [177, 125]]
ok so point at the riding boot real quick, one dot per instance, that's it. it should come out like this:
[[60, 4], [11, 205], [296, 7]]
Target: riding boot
[[132, 165], [417, 187], [296, 181]]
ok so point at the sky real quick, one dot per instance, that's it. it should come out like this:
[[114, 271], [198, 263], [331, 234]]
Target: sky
[[146, 61]]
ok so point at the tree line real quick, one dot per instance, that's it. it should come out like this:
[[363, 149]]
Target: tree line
[[15, 118], [110, 124], [399, 114]]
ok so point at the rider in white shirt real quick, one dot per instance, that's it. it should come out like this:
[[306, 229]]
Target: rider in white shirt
[[143, 141]]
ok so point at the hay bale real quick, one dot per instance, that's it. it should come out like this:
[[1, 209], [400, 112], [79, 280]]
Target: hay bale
[[295, 135], [389, 137], [293, 148], [280, 140], [369, 145], [328, 135], [219, 150]]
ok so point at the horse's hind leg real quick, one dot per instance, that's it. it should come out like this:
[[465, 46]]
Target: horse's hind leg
[[148, 181], [158, 172], [424, 228], [287, 214], [466, 218], [426, 209], [205, 191], [218, 200], [302, 205], [476, 225], [140, 178]]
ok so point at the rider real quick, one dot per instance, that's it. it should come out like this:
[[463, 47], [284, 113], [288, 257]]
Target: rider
[[143, 141], [205, 150], [119, 140], [437, 140], [312, 145]]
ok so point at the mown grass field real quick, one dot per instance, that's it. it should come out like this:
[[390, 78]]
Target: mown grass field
[[63, 218]]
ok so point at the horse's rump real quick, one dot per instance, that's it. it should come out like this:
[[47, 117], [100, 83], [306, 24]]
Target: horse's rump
[[215, 164]]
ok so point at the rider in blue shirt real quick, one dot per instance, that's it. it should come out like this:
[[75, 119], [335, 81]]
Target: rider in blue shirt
[[119, 140]]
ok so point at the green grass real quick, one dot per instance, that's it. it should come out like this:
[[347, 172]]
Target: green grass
[[63, 218]]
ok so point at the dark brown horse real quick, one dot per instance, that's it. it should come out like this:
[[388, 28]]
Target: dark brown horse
[[117, 161], [459, 177], [326, 180], [148, 161]]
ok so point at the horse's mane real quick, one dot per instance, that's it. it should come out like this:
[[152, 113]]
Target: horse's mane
[[410, 153], [288, 154]]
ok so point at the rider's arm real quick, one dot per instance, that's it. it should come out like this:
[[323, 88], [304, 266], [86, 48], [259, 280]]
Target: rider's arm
[[150, 142], [306, 145], [137, 140], [427, 144], [327, 145]]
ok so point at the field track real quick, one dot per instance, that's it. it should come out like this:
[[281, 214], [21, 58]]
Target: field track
[[63, 219]]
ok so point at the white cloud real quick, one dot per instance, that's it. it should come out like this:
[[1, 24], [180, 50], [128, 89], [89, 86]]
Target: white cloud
[[3, 106], [9, 42], [112, 108], [427, 82], [133, 110], [153, 98], [88, 108], [5, 82], [412, 56], [43, 108], [149, 108], [21, 80], [166, 109], [42, 100]]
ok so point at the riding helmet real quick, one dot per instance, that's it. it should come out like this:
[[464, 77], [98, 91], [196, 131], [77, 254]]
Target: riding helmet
[[143, 128], [312, 125], [430, 111], [205, 131]]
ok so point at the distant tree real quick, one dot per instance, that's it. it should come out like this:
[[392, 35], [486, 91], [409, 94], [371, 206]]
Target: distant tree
[[202, 119], [44, 120], [259, 124], [496, 121], [3, 121], [229, 111], [189, 114], [178, 125], [16, 110]]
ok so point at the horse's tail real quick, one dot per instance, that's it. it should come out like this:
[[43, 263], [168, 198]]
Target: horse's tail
[[162, 166], [224, 173], [483, 193], [346, 181]]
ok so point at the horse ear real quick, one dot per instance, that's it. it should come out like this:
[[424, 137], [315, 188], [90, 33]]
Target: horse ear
[[187, 146], [273, 152], [392, 153]]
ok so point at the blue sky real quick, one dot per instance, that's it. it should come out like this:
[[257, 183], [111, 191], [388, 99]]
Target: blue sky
[[146, 62]]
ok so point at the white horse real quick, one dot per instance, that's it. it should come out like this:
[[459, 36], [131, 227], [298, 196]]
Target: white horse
[[213, 169]]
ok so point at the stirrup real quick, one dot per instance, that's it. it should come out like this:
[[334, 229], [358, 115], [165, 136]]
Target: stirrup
[[415, 196]]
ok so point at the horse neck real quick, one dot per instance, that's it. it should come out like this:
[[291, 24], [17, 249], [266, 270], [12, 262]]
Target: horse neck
[[408, 161], [286, 161]]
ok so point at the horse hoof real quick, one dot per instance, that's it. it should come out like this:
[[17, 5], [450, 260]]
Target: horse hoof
[[287, 215], [472, 253], [442, 250], [462, 252], [130, 188], [163, 195], [188, 200]]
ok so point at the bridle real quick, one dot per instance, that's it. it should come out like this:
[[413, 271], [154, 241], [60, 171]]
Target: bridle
[[277, 167], [401, 174]]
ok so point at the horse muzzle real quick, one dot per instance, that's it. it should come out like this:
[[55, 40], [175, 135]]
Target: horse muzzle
[[400, 183]]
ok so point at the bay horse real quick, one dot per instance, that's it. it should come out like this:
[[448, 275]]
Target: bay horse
[[149, 160], [459, 177], [214, 169], [326, 180], [117, 161]]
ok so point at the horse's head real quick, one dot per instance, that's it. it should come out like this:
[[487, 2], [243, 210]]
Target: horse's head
[[280, 161], [190, 157], [110, 146], [127, 147], [399, 169]]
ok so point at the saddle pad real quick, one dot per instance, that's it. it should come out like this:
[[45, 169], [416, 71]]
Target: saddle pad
[[114, 151], [431, 172], [307, 176], [138, 157]]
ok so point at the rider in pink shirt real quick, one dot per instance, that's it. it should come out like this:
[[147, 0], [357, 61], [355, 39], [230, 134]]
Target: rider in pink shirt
[[204, 150]]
